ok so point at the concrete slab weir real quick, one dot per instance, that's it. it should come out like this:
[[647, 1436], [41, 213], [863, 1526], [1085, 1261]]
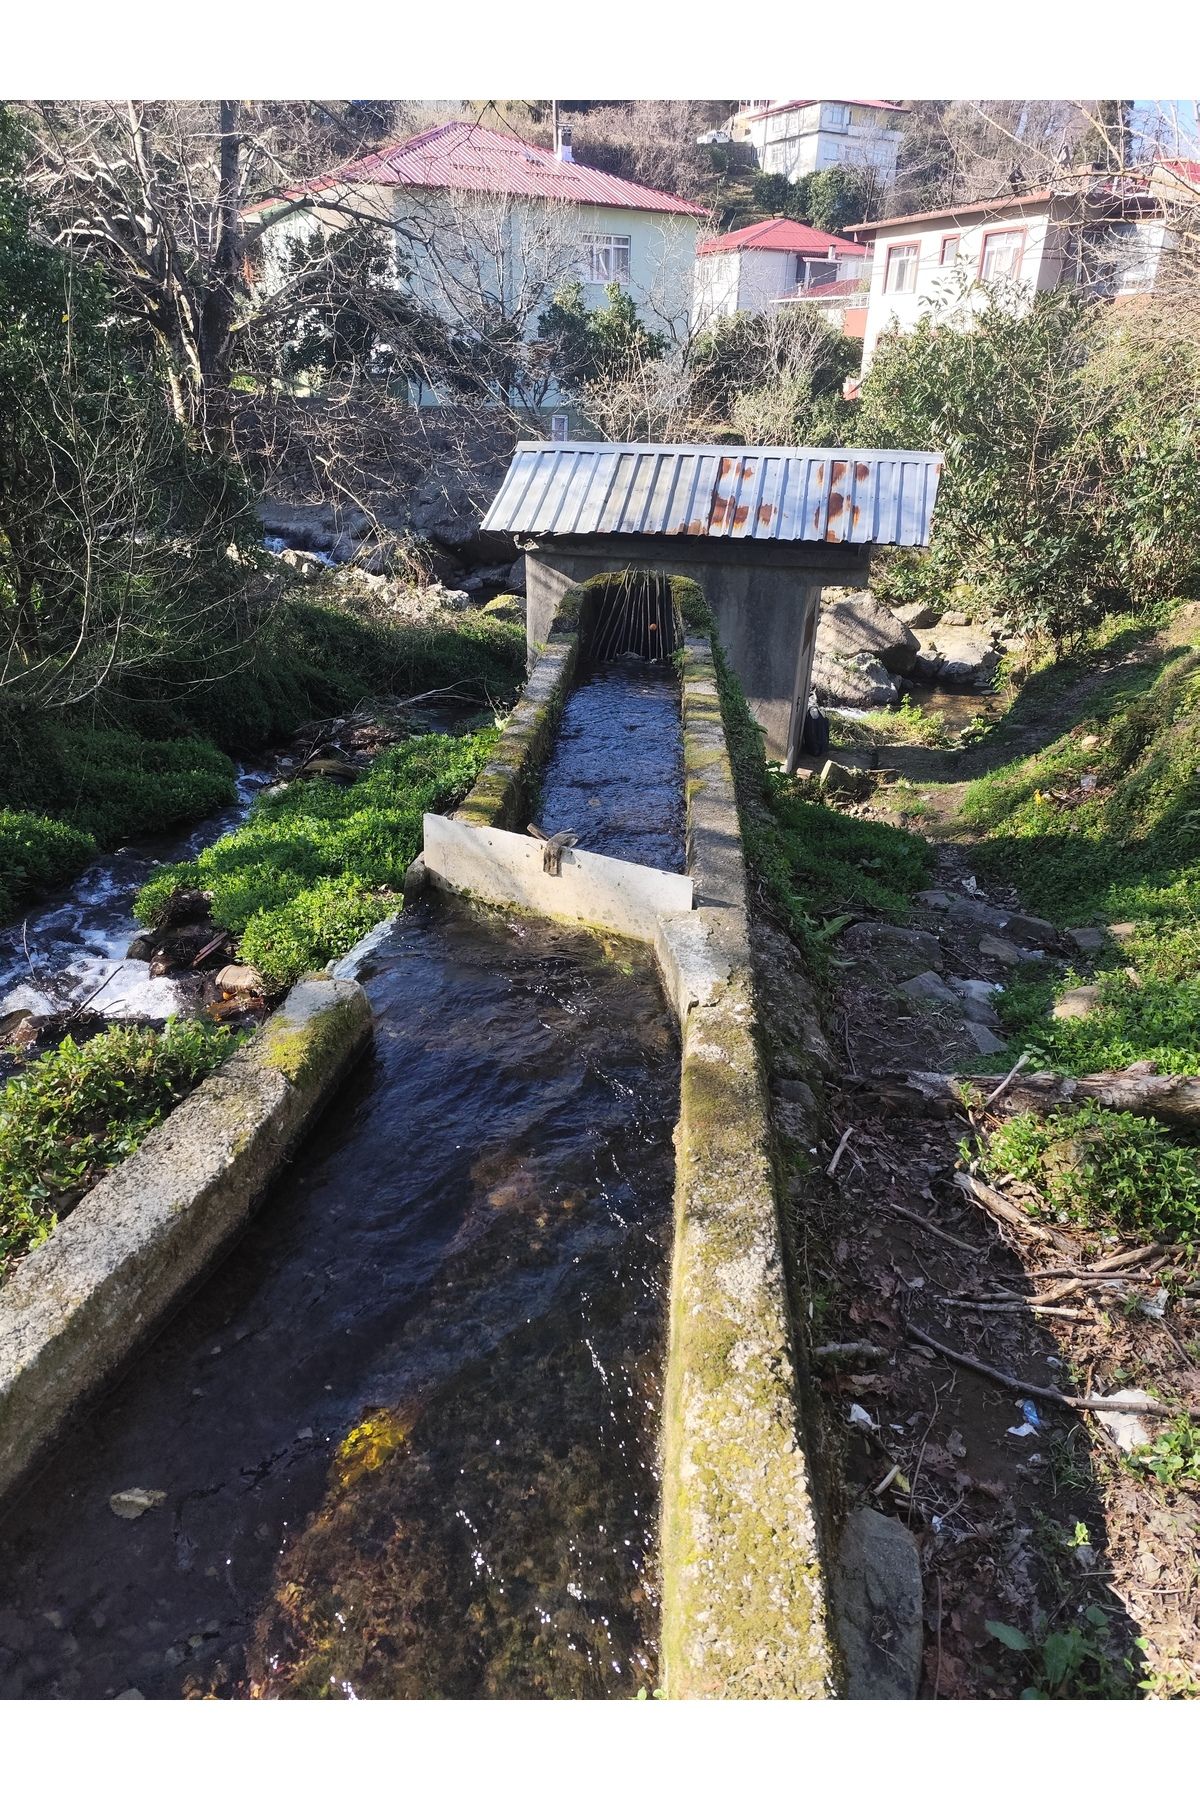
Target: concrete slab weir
[[502, 868], [145, 1235]]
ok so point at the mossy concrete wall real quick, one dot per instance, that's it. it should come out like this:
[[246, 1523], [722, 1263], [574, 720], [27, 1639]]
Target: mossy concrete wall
[[744, 1607], [148, 1231]]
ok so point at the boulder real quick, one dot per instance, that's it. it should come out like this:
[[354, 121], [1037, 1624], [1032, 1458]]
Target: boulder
[[835, 778], [860, 625], [852, 681], [506, 606], [964, 656], [893, 950], [918, 615], [983, 1038], [515, 578], [1088, 939]]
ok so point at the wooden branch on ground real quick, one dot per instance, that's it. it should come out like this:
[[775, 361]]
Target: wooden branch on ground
[[1155, 1409], [859, 1352], [995, 1203], [1173, 1098]]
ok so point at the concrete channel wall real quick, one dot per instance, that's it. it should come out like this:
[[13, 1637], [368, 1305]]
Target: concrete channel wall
[[146, 1234], [744, 1614]]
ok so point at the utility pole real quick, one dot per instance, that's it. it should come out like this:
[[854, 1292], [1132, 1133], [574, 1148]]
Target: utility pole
[[554, 126]]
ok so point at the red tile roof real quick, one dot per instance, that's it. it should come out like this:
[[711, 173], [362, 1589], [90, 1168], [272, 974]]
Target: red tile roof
[[780, 234], [472, 159], [999, 203], [1184, 169]]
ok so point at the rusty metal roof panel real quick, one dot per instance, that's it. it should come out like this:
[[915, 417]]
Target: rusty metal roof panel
[[770, 493]]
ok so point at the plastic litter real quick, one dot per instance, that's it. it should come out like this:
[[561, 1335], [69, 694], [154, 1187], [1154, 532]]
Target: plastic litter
[[860, 1416], [1030, 1413], [1025, 1430]]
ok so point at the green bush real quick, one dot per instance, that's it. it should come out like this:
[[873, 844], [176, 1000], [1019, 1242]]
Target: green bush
[[1102, 1168], [315, 866], [36, 855], [81, 1109], [116, 785]]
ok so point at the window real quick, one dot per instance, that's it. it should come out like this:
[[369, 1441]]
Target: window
[[605, 259], [949, 250], [1001, 254], [837, 116], [900, 270]]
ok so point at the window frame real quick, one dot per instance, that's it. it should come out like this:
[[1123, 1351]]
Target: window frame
[[949, 237], [845, 119], [1014, 274], [902, 244], [607, 243]]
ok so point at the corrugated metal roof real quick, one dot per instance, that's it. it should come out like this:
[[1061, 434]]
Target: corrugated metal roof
[[719, 491], [475, 160]]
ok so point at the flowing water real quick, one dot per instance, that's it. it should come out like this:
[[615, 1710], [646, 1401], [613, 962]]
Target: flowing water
[[71, 951], [407, 1433]]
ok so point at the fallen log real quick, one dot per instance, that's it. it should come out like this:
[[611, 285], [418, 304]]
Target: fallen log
[[1173, 1098], [1153, 1409]]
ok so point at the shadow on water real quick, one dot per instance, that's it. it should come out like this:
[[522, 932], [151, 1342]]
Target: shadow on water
[[407, 1433]]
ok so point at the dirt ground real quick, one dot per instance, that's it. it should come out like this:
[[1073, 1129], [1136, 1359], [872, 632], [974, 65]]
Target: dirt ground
[[1052, 1564]]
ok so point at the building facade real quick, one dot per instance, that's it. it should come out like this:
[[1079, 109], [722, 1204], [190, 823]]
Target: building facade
[[483, 228], [800, 137], [1107, 237], [763, 266]]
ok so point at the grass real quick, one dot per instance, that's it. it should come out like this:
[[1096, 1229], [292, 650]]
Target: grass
[[159, 759], [1099, 1168], [908, 724], [81, 1109], [1103, 826], [835, 862], [316, 866]]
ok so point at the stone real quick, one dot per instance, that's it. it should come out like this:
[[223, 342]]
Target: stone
[[966, 656], [240, 978], [1089, 939], [935, 898], [861, 625], [877, 1597], [981, 991], [131, 1503], [930, 987], [955, 619], [1027, 928], [1122, 933], [141, 947], [515, 579], [836, 778], [852, 681], [506, 606], [918, 615], [980, 1012], [984, 1039], [1077, 1003], [1000, 950], [1126, 1429], [893, 949]]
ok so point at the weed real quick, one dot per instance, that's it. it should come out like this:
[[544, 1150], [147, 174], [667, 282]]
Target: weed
[[82, 1108], [1174, 1456], [1095, 1167], [314, 867], [1079, 1663]]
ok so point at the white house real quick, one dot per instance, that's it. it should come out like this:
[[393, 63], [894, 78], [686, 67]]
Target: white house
[[798, 137], [485, 227], [1108, 236], [765, 265]]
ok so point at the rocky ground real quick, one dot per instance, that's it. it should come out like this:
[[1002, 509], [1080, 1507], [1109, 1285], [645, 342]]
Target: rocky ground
[[1043, 1558]]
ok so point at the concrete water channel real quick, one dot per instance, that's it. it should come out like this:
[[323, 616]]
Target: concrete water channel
[[496, 1395]]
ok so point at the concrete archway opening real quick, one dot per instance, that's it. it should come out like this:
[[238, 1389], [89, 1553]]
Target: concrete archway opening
[[634, 616]]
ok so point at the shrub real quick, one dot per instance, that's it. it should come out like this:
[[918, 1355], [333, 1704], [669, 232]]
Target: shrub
[[115, 785], [36, 855], [315, 866], [81, 1109], [1102, 1168]]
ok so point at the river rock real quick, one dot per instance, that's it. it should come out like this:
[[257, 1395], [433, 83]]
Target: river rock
[[893, 950], [965, 656], [506, 606], [877, 1606], [1000, 950], [515, 579], [858, 680], [983, 1038], [240, 978], [131, 1503], [1077, 1003], [860, 625], [1088, 939], [141, 947]]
